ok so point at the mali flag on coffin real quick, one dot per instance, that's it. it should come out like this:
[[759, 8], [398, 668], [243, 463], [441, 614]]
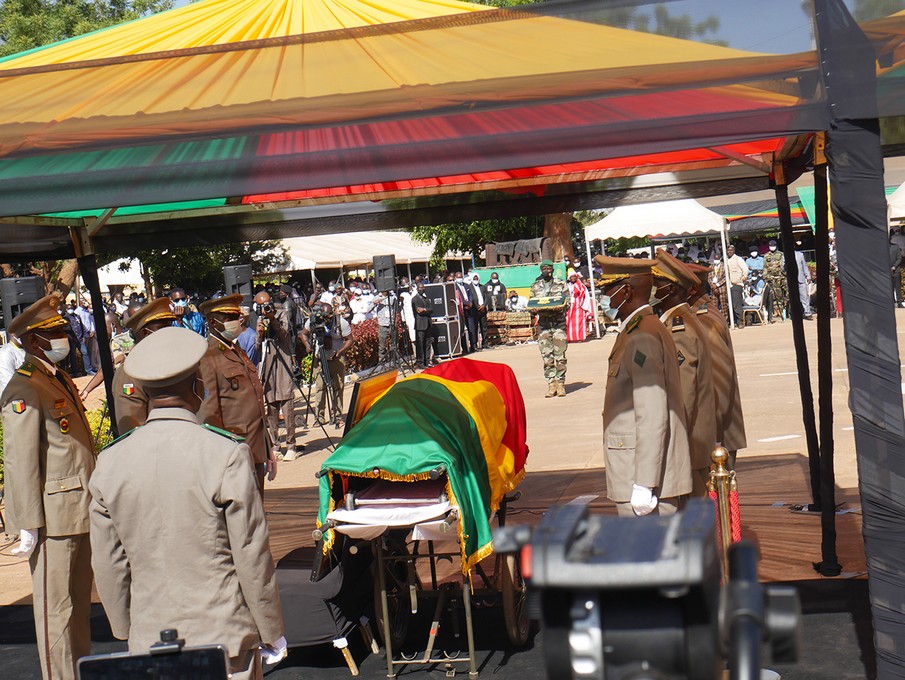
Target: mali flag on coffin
[[423, 422]]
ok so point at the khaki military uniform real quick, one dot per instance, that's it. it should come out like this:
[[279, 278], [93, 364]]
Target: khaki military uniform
[[644, 433], [235, 398], [730, 418], [551, 329], [48, 458], [696, 376], [180, 539], [129, 401]]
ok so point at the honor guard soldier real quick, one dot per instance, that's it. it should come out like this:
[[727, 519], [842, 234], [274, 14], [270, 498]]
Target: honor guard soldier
[[49, 457], [672, 281], [177, 523], [234, 396], [730, 420], [129, 399], [550, 299], [644, 434]]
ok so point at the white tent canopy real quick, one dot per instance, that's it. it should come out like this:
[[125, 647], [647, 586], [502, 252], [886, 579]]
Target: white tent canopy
[[666, 218], [354, 249], [896, 202]]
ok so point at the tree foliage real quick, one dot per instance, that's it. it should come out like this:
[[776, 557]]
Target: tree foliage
[[200, 270], [865, 10], [26, 24]]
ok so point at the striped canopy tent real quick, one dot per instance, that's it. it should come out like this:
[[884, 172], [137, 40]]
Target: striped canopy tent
[[293, 117]]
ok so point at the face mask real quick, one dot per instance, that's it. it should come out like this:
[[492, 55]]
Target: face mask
[[332, 289], [181, 303], [231, 329], [754, 254], [772, 249], [547, 275], [494, 279], [59, 349], [610, 312]]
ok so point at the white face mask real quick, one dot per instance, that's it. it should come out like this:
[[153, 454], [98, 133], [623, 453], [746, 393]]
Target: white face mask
[[753, 254], [231, 329], [772, 249], [59, 349]]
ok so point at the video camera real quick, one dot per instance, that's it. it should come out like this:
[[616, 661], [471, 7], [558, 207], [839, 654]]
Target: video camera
[[640, 598], [169, 658], [317, 323]]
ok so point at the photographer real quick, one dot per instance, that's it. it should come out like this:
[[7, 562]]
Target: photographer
[[276, 344], [384, 302], [329, 338]]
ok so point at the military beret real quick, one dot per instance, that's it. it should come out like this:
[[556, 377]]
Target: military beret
[[674, 269], [228, 304], [43, 314], [155, 310], [166, 357], [618, 268], [546, 263]]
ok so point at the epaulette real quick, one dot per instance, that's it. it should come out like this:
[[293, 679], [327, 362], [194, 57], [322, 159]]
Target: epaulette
[[26, 369], [677, 324], [225, 433], [119, 439], [633, 324], [703, 309]]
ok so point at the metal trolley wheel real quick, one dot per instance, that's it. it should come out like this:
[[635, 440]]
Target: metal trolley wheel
[[515, 605], [395, 576]]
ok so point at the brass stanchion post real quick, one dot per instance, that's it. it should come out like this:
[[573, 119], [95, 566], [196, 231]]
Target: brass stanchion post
[[718, 485]]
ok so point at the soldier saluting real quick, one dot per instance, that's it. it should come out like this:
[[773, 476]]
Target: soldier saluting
[[49, 457]]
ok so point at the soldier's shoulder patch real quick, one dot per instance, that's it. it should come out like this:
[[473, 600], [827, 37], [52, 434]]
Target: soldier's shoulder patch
[[129, 389], [680, 357], [26, 369], [678, 324], [119, 438], [633, 324], [18, 405], [224, 433], [640, 357]]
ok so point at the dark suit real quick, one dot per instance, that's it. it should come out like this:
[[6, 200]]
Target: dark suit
[[478, 314], [422, 328]]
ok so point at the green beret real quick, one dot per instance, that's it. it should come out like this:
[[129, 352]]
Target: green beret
[[546, 263]]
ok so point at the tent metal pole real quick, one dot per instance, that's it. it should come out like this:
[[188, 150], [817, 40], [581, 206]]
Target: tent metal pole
[[408, 268], [801, 348], [723, 240], [829, 564], [587, 245]]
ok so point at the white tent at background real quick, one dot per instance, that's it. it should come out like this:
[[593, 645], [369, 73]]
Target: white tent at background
[[651, 220], [896, 204]]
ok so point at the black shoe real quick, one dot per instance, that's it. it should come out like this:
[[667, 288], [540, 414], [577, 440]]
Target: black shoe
[[808, 317]]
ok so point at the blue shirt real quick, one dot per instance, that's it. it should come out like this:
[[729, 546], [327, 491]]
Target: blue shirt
[[247, 341], [755, 263], [193, 321]]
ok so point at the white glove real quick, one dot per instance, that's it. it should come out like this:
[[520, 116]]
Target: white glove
[[643, 500], [28, 540], [275, 652]]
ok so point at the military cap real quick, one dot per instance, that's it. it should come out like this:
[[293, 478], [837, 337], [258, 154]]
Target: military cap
[[701, 272], [42, 315], [618, 268], [228, 304], [771, 242], [155, 310], [166, 357], [675, 270], [546, 263]]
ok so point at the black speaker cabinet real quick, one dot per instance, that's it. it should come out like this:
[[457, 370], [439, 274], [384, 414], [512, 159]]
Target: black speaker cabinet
[[19, 293], [385, 272], [448, 333], [443, 298], [238, 280]]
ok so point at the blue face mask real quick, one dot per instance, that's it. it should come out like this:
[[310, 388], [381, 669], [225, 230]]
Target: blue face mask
[[611, 312], [181, 303]]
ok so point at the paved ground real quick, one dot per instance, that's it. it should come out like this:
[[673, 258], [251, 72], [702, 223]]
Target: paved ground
[[565, 434]]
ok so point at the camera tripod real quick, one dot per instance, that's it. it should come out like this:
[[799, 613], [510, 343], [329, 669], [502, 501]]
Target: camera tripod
[[402, 362]]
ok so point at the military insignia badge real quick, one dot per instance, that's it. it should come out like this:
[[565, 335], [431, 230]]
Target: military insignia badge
[[640, 358], [680, 357], [129, 389], [18, 406], [64, 425]]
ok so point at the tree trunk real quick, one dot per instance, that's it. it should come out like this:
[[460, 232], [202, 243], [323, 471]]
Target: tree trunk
[[558, 228], [150, 293], [64, 281]]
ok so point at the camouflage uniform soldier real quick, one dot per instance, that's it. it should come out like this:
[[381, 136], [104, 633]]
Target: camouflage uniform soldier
[[551, 325], [775, 276]]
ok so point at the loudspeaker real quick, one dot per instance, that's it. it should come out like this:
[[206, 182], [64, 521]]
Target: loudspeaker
[[238, 280], [17, 294], [385, 272], [443, 299], [448, 334]]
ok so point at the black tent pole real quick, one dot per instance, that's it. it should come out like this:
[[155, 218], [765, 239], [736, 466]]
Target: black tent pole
[[829, 564], [801, 348]]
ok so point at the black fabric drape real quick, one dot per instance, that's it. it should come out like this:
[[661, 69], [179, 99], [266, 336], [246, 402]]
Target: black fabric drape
[[88, 270]]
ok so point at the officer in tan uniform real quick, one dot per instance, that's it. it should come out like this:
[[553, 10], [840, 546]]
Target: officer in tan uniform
[[129, 399], [644, 435], [730, 418], [672, 281], [177, 524], [49, 457], [234, 398]]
